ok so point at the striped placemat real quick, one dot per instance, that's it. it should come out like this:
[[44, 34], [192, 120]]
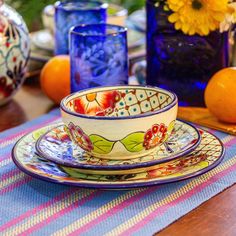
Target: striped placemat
[[31, 206]]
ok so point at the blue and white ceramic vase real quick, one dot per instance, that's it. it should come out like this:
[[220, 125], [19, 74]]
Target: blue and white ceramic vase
[[179, 62], [14, 51]]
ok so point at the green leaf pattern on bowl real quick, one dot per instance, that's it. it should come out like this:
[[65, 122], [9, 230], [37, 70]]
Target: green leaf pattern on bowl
[[134, 142], [101, 145]]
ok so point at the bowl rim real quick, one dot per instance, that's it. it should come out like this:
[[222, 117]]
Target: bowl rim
[[147, 114]]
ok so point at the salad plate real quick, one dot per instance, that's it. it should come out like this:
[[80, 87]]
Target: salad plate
[[56, 146], [207, 156]]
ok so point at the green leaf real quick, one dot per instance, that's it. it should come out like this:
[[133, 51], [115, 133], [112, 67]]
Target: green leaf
[[101, 145], [74, 173], [134, 142], [38, 134]]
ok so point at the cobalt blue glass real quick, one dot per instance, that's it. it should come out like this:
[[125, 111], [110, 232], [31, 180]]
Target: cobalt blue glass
[[181, 63], [99, 56], [70, 13]]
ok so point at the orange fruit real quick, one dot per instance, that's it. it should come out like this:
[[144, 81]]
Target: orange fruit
[[55, 78], [220, 95]]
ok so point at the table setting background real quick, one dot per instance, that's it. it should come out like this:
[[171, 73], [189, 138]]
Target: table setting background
[[36, 207], [30, 206]]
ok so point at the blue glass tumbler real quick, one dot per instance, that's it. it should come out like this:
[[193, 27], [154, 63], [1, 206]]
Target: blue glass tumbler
[[99, 56], [70, 13]]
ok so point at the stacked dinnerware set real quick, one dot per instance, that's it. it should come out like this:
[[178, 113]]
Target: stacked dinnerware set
[[118, 137]]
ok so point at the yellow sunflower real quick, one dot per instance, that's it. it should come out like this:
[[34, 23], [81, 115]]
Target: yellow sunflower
[[197, 16]]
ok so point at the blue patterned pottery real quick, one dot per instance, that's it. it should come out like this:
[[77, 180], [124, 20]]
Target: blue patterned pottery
[[207, 156], [14, 51], [57, 147], [71, 13], [99, 56], [119, 122]]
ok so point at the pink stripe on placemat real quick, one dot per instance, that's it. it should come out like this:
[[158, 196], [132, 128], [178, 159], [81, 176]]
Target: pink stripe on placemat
[[113, 211], [61, 213], [43, 123], [10, 174], [231, 142], [159, 211], [35, 210]]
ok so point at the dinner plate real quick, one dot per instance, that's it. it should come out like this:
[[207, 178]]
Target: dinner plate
[[207, 156], [56, 146]]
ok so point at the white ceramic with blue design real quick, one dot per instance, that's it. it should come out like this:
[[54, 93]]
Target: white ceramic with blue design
[[56, 146], [207, 156], [120, 122], [14, 52]]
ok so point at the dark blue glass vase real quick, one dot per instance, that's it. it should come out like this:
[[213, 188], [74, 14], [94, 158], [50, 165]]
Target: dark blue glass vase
[[182, 63], [99, 56], [75, 12]]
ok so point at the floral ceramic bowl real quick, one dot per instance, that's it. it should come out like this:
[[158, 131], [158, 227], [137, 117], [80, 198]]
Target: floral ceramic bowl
[[119, 122]]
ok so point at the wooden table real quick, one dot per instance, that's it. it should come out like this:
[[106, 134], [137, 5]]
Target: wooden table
[[215, 217]]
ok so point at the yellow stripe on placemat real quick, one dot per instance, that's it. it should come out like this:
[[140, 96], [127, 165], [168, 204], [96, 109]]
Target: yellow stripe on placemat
[[48, 211], [191, 185], [10, 180], [100, 211], [53, 209], [6, 162]]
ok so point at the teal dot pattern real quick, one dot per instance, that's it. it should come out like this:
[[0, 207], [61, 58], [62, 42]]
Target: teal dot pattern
[[140, 101]]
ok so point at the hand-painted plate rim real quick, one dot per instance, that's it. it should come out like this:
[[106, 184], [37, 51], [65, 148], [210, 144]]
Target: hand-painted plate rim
[[118, 186], [120, 167]]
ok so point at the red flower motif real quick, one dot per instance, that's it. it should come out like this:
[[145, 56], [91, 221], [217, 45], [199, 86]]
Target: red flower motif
[[78, 136], [60, 135], [154, 136], [193, 160], [164, 170], [97, 104], [2, 24], [5, 90]]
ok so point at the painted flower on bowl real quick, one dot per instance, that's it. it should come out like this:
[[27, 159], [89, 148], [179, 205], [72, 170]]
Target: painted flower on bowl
[[78, 136], [154, 136], [98, 104]]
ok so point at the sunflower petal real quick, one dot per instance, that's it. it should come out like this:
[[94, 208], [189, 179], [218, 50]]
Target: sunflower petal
[[173, 18], [203, 20]]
